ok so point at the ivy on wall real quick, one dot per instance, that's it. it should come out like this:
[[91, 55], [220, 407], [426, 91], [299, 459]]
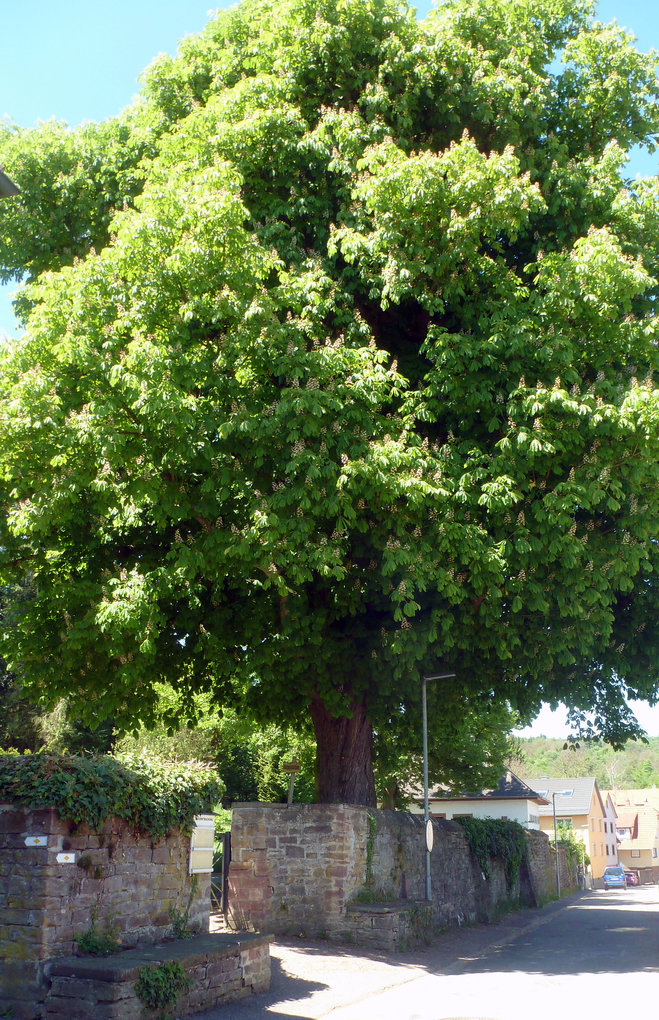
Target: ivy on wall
[[496, 837], [151, 795]]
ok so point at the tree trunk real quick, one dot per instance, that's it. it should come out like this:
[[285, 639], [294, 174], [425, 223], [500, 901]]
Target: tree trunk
[[344, 756]]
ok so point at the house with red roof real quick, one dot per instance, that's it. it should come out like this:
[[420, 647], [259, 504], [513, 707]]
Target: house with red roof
[[638, 831]]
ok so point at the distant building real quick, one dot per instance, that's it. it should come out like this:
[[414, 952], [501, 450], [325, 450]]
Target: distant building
[[638, 831], [511, 799], [581, 807]]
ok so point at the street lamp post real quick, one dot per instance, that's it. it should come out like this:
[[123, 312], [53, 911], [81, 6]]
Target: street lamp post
[[557, 793], [426, 811]]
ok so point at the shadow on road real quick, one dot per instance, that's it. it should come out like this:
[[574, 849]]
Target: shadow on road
[[601, 933], [593, 933]]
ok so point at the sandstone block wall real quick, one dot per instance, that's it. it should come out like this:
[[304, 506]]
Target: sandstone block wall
[[220, 969], [392, 927], [297, 868], [118, 882], [294, 867], [542, 865]]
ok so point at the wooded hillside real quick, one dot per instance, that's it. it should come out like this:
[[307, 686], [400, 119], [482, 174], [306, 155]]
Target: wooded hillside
[[636, 766]]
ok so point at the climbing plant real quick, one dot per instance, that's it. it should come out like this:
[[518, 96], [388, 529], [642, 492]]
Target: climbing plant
[[499, 838]]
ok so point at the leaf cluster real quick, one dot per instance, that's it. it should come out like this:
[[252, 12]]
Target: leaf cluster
[[152, 796]]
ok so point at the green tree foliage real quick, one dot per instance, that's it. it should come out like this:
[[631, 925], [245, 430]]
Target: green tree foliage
[[634, 766], [19, 718], [247, 756], [468, 745], [26, 727], [339, 363], [19, 721]]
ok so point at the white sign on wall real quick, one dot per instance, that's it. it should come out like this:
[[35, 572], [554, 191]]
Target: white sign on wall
[[201, 845], [36, 840]]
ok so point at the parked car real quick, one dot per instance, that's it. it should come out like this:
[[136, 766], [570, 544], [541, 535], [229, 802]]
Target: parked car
[[614, 877], [632, 877]]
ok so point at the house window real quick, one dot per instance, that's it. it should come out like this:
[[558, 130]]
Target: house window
[[636, 853], [563, 823], [654, 851], [605, 828]]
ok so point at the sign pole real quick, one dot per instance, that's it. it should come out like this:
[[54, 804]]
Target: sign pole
[[290, 768]]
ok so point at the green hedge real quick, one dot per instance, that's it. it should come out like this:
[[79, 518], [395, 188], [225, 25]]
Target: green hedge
[[153, 796]]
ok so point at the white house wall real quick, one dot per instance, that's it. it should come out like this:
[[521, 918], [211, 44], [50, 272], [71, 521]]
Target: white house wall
[[524, 813]]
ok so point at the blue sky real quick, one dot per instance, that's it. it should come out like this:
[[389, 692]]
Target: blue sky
[[76, 60]]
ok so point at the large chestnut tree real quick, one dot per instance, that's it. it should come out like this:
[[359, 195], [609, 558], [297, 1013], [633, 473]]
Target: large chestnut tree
[[337, 371]]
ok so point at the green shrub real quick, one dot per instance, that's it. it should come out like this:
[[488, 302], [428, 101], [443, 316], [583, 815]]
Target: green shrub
[[159, 986], [98, 943], [151, 795]]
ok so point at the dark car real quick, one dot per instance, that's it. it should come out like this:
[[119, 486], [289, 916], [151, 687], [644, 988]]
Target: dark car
[[632, 878], [614, 877]]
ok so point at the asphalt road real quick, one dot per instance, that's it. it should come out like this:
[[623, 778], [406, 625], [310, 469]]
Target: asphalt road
[[595, 954]]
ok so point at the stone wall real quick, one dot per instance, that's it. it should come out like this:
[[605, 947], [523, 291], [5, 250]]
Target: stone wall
[[220, 969], [293, 866], [299, 868], [542, 864], [51, 893]]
